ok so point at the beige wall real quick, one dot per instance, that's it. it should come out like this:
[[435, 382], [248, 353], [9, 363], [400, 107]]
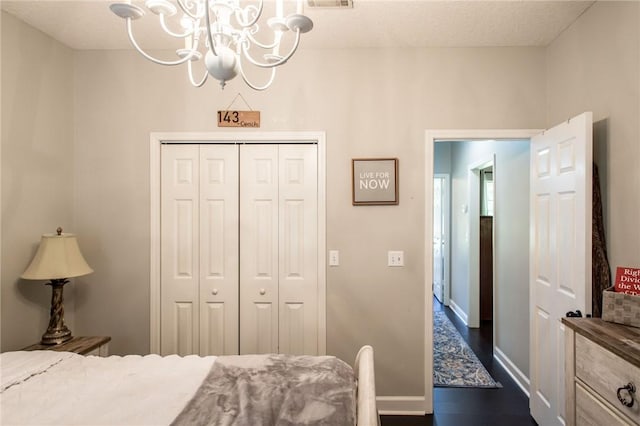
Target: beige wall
[[83, 162], [595, 66], [371, 103], [37, 172]]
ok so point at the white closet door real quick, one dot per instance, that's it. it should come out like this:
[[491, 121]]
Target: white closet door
[[219, 312], [179, 250], [259, 249], [239, 249], [298, 230]]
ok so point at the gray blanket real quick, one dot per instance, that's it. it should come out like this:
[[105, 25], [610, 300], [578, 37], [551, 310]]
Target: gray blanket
[[282, 390]]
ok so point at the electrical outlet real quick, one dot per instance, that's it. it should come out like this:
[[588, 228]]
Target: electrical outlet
[[395, 258], [334, 258]]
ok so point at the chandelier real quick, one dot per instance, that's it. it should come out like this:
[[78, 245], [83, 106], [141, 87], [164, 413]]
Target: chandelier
[[222, 31]]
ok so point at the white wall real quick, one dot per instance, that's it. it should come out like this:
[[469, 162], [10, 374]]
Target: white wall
[[37, 173], [595, 66]]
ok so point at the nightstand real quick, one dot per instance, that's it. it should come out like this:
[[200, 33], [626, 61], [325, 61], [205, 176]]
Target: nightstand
[[91, 345]]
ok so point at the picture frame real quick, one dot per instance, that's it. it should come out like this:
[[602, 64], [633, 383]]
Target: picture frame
[[374, 181]]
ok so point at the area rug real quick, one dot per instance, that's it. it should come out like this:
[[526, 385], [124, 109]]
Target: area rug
[[454, 363]]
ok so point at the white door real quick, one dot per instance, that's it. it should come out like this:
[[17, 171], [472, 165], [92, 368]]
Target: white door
[[440, 212], [199, 250], [278, 248], [298, 248], [259, 249], [179, 322], [560, 260], [219, 262]]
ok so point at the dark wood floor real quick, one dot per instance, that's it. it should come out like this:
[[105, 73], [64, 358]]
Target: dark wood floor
[[507, 406]]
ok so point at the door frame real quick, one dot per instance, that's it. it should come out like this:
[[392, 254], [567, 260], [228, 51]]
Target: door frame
[[431, 136], [156, 139]]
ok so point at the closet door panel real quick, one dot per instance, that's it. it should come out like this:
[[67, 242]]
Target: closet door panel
[[179, 249], [298, 256], [219, 310], [259, 249]]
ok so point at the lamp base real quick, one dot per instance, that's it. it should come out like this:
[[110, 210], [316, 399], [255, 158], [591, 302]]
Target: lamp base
[[56, 337], [57, 332]]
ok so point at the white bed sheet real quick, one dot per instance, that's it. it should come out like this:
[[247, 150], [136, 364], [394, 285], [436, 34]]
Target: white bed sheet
[[130, 390]]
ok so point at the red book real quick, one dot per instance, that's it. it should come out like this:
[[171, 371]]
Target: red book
[[628, 280]]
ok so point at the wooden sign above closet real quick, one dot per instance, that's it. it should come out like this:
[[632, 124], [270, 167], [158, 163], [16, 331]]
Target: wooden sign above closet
[[232, 118]]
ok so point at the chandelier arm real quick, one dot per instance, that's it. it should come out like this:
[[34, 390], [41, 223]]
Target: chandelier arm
[[187, 12], [190, 72], [245, 50], [164, 26], [257, 43], [253, 86], [212, 46], [255, 20], [151, 58]]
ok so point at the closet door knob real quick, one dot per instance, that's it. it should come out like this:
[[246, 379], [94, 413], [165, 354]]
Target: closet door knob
[[215, 291], [263, 291]]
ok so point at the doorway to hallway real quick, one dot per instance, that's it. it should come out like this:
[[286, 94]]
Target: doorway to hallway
[[464, 156]]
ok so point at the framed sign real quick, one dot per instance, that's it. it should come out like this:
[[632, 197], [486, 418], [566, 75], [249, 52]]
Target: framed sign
[[374, 181]]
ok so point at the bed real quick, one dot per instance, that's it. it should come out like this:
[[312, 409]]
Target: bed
[[63, 388]]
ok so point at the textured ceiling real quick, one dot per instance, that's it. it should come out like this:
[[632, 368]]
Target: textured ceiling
[[83, 24]]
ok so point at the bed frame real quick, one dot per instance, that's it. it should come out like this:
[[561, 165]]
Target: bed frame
[[367, 412]]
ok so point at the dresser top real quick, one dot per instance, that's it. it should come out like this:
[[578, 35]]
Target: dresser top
[[80, 345], [622, 340]]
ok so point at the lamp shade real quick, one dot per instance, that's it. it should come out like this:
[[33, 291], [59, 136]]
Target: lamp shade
[[57, 257]]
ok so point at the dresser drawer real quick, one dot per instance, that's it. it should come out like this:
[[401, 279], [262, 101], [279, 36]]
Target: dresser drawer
[[605, 372], [590, 411]]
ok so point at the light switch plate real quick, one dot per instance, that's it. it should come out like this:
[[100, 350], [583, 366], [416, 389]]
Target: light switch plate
[[334, 258], [395, 258]]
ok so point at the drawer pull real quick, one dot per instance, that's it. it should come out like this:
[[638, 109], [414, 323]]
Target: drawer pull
[[628, 399]]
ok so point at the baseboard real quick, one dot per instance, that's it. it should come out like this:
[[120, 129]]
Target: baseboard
[[401, 405], [459, 312], [518, 376]]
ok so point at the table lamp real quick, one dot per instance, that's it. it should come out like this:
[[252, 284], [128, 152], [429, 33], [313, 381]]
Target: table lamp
[[58, 258]]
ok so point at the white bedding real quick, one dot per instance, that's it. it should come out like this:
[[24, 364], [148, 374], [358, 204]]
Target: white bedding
[[149, 390], [131, 390]]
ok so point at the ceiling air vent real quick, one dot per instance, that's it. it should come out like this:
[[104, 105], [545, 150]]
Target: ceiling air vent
[[330, 3]]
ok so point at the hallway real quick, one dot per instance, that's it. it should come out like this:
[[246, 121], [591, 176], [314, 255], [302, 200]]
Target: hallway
[[507, 406]]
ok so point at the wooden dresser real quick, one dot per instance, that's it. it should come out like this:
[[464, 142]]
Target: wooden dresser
[[602, 362]]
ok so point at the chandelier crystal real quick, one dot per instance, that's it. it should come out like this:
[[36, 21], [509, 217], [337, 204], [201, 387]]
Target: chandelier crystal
[[223, 32]]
